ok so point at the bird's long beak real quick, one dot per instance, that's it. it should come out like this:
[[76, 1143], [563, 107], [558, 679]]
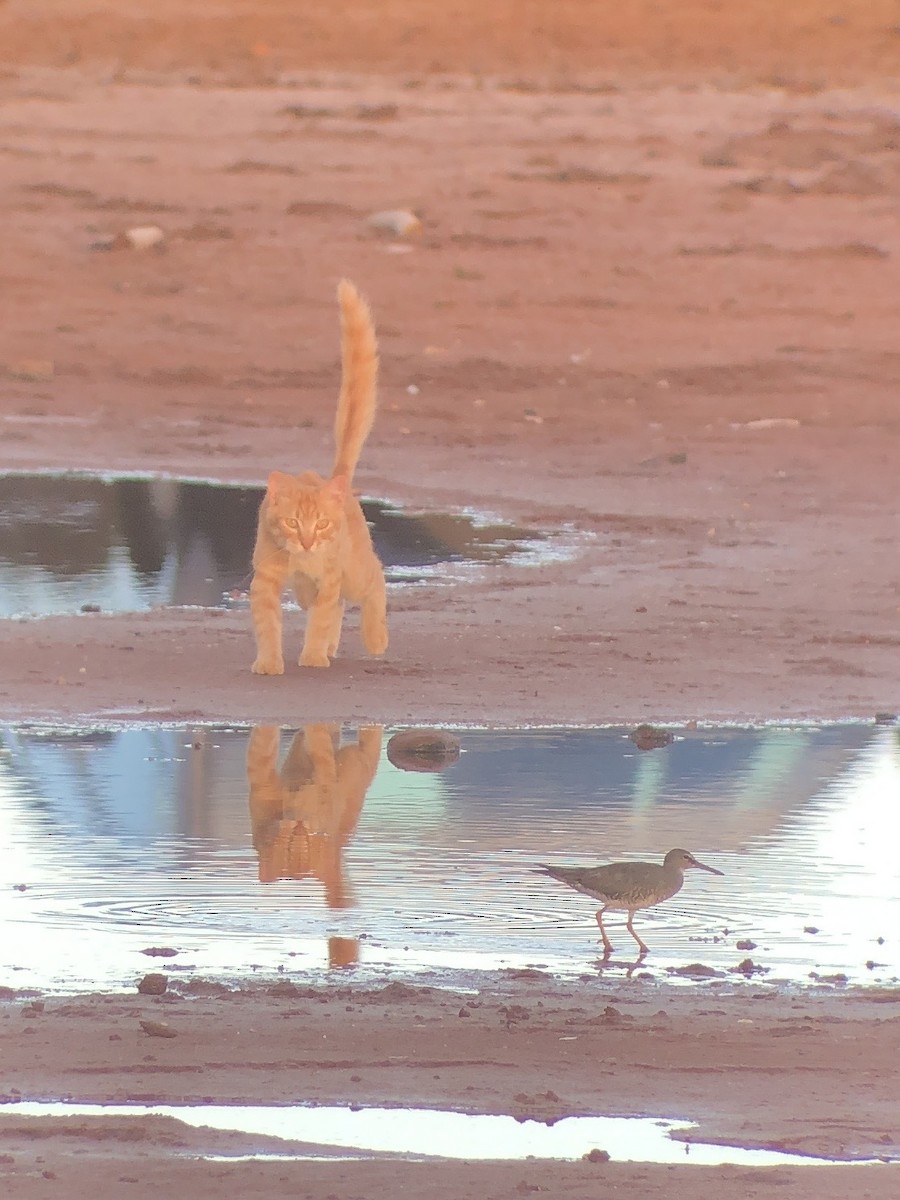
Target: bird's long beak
[[695, 862]]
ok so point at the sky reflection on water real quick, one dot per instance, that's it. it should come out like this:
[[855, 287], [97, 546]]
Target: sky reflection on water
[[315, 850]]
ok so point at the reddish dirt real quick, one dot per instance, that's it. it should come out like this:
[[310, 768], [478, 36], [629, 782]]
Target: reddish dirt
[[653, 303]]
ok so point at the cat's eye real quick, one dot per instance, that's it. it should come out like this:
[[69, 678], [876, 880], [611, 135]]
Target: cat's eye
[[292, 522], [322, 523]]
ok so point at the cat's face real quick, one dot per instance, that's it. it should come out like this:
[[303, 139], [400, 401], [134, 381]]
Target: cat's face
[[304, 517]]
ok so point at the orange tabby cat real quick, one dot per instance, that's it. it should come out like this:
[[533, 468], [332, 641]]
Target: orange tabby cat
[[312, 531], [304, 814]]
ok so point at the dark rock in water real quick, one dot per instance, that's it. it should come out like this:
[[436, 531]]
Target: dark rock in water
[[153, 985], [748, 967], [885, 718], [696, 971], [423, 749], [650, 737]]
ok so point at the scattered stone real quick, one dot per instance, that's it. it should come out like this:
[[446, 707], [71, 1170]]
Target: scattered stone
[[748, 967], [745, 944], [838, 977], [596, 1156], [32, 370], [153, 985], [423, 749], [376, 112], [651, 737], [851, 179], [284, 988], [90, 608], [772, 423], [810, 929], [396, 992], [159, 952], [612, 1016], [207, 231], [696, 971], [396, 222], [511, 1013], [307, 112], [158, 1029], [143, 237]]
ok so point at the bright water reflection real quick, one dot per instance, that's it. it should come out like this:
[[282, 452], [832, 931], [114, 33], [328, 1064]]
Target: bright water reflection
[[433, 1133], [257, 850]]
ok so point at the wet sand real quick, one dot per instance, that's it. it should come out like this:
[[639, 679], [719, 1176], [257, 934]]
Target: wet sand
[[653, 302]]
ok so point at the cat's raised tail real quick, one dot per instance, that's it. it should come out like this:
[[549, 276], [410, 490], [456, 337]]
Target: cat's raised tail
[[358, 398]]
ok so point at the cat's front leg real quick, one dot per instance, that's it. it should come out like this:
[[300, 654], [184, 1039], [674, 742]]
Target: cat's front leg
[[265, 610], [374, 615], [323, 626]]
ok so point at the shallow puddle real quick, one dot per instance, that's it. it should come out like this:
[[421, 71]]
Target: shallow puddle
[[129, 543], [432, 1133], [265, 850]]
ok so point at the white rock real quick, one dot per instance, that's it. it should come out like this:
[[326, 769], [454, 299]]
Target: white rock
[[399, 222], [773, 423], [144, 237]]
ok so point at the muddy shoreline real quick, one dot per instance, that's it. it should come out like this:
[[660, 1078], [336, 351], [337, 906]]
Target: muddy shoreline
[[530, 1047]]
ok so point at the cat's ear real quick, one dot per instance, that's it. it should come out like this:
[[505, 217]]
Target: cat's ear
[[278, 483], [339, 487]]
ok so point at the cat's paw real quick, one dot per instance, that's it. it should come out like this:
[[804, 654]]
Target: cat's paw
[[376, 640], [314, 658], [268, 666]]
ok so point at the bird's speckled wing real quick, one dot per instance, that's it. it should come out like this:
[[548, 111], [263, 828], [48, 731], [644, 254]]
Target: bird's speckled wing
[[622, 880]]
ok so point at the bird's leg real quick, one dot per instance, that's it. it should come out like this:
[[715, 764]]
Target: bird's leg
[[607, 944], [630, 928]]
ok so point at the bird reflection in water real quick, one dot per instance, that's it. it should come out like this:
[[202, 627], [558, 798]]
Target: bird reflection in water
[[303, 814]]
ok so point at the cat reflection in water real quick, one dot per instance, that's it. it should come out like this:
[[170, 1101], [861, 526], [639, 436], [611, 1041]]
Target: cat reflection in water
[[312, 531], [304, 814]]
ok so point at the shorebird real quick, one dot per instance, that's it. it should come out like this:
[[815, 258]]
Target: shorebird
[[629, 886]]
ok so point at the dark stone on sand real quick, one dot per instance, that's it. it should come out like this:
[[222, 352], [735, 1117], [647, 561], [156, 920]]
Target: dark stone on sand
[[596, 1156], [423, 749], [153, 984]]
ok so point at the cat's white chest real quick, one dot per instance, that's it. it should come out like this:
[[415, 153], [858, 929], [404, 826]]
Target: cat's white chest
[[311, 563]]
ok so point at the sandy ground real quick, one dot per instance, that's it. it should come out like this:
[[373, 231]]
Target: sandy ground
[[653, 304]]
